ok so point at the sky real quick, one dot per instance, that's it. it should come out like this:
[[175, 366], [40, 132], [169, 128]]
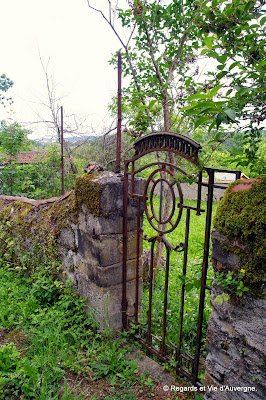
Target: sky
[[75, 43]]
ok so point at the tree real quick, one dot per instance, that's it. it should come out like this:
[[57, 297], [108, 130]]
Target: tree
[[235, 38], [159, 55], [49, 115], [13, 139], [162, 52], [5, 84]]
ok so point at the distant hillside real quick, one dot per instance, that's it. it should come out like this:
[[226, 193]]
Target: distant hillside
[[71, 139], [79, 139]]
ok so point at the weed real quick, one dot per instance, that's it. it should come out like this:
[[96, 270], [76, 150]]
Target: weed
[[232, 283]]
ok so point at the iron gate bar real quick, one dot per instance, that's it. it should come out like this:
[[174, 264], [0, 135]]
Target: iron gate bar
[[195, 367], [199, 192], [181, 312], [137, 263], [165, 299], [157, 163], [124, 270], [152, 240], [132, 175]]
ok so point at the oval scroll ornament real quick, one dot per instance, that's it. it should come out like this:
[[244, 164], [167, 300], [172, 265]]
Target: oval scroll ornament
[[154, 219]]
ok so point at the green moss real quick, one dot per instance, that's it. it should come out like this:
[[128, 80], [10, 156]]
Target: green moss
[[89, 192], [60, 213], [241, 218], [42, 227]]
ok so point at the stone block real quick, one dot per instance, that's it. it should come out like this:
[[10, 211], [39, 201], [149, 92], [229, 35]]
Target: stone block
[[67, 239], [227, 258], [104, 277], [105, 303], [106, 250]]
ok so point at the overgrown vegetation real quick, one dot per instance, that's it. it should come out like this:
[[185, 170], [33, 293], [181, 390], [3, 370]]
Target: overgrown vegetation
[[47, 340], [47, 333]]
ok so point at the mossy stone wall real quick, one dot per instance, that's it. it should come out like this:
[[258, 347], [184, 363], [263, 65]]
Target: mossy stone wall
[[236, 330], [79, 235]]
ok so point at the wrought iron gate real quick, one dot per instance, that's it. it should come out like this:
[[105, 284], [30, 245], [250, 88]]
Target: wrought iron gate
[[163, 174]]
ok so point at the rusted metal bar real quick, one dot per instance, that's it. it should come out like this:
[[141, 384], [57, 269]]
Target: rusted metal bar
[[124, 271], [62, 152], [119, 115], [132, 178], [137, 264], [182, 298], [199, 193], [167, 265], [149, 338], [204, 273]]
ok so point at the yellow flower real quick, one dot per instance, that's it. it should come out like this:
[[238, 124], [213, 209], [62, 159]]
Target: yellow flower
[[243, 271]]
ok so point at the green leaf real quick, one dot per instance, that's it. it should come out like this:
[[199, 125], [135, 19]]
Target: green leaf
[[262, 21], [198, 96], [201, 121], [211, 127], [222, 59], [220, 118], [189, 286], [261, 65], [214, 91], [208, 41], [219, 299], [151, 104], [221, 74], [233, 65], [231, 113]]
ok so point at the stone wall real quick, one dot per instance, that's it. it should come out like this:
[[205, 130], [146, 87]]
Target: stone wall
[[236, 362], [87, 225]]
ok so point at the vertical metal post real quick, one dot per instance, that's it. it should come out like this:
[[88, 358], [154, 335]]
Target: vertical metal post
[[166, 282], [119, 115], [199, 193], [62, 152], [204, 272], [182, 299], [149, 337], [125, 237], [137, 262]]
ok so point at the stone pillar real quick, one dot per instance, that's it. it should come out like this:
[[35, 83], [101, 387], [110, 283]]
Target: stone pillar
[[235, 365], [92, 249]]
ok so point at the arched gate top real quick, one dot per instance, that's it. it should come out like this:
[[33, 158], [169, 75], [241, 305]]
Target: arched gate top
[[170, 142]]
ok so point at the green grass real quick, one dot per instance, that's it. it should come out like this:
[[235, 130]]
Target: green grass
[[48, 333], [47, 341]]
